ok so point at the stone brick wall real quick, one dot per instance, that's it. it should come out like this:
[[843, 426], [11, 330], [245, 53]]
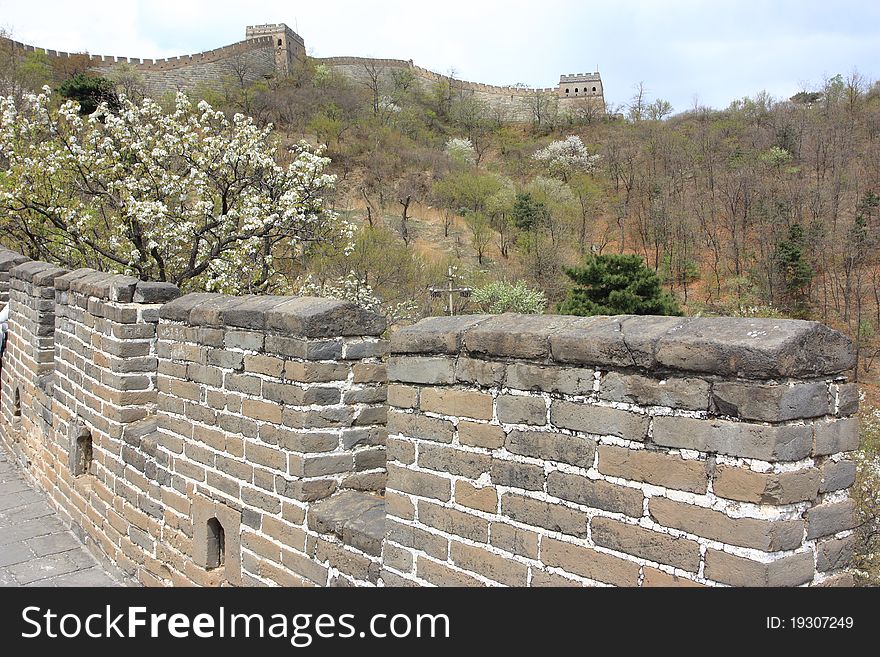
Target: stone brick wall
[[272, 49], [514, 104], [268, 405], [639, 451], [254, 59], [217, 440], [8, 260]]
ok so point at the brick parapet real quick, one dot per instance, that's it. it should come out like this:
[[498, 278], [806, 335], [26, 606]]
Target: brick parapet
[[546, 450], [520, 450]]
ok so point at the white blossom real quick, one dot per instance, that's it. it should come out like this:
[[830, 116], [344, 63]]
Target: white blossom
[[187, 196], [567, 156]]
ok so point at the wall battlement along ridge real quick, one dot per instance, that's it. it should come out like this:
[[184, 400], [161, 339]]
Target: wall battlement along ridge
[[215, 440], [271, 50]]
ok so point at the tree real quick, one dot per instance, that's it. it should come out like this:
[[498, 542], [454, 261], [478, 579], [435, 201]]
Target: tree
[[500, 297], [374, 83], [565, 157], [461, 150], [659, 109], [186, 196], [797, 274], [527, 213], [638, 104], [481, 234], [129, 80], [615, 284], [90, 92]]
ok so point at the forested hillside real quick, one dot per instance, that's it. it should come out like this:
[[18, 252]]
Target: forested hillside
[[768, 207]]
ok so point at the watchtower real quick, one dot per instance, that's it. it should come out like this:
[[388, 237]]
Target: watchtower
[[289, 46], [580, 85]]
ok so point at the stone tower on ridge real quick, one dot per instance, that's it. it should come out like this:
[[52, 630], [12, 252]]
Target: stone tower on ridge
[[289, 46]]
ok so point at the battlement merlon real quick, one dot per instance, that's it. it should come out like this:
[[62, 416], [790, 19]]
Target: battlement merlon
[[580, 77], [270, 29]]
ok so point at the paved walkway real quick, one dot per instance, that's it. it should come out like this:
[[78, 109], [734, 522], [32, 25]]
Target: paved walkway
[[35, 547]]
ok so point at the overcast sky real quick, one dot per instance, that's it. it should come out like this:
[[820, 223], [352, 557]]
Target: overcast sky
[[716, 50]]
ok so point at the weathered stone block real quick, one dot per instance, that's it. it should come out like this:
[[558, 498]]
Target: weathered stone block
[[526, 476], [489, 564], [486, 373], [482, 499], [585, 562], [420, 427], [453, 461], [514, 336], [514, 539], [727, 568], [429, 370], [480, 435], [559, 447], [771, 403], [767, 535], [598, 420], [419, 483], [766, 488], [537, 513], [596, 493], [768, 443], [155, 292], [828, 519], [835, 435], [317, 318], [434, 335], [654, 546], [566, 380], [652, 467], [454, 522], [521, 409], [459, 403], [403, 396], [682, 393], [834, 554], [837, 475]]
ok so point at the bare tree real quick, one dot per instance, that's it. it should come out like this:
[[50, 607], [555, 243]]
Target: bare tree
[[638, 103], [373, 82]]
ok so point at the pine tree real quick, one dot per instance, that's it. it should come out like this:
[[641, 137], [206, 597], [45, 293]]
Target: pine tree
[[797, 274], [527, 212], [90, 91], [615, 284]]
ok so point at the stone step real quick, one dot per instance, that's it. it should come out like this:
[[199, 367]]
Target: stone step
[[356, 518]]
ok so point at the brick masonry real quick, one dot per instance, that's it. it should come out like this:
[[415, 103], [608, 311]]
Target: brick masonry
[[619, 451], [215, 440], [271, 51]]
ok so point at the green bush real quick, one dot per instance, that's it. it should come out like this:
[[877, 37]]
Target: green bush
[[501, 297], [90, 91], [616, 285]]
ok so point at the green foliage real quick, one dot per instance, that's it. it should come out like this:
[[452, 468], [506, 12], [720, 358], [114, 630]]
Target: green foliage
[[775, 157], [527, 213], [466, 190], [36, 70], [90, 91], [797, 274], [501, 297], [614, 284]]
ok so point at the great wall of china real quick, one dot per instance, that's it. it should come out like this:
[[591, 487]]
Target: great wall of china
[[214, 440], [271, 51]]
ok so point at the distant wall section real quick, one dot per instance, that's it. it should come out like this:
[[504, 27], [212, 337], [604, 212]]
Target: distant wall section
[[514, 104], [268, 50]]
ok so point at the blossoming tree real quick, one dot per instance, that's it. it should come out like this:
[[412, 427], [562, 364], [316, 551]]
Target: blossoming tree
[[567, 156], [187, 196]]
